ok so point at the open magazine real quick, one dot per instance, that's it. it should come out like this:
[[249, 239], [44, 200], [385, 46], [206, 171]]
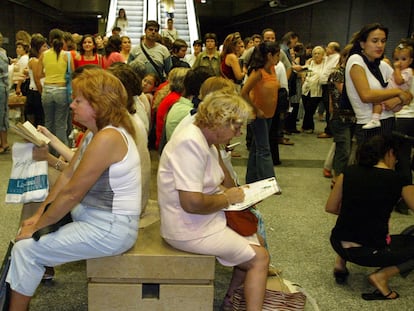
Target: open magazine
[[256, 192], [29, 132]]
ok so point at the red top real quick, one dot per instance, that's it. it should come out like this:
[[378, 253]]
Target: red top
[[83, 61], [114, 57], [227, 71], [162, 111]]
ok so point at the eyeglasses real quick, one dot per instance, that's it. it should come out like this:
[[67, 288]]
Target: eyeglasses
[[236, 127], [152, 29]]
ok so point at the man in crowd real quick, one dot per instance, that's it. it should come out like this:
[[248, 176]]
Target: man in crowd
[[210, 57], [155, 56]]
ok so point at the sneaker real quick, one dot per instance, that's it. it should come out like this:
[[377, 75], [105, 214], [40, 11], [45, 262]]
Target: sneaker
[[372, 124]]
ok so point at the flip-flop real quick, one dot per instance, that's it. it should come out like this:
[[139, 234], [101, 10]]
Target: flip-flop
[[377, 295]]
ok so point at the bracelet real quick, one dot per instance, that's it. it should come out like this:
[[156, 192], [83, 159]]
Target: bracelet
[[227, 199], [58, 165]]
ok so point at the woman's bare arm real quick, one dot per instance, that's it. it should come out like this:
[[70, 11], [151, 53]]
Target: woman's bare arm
[[333, 205]]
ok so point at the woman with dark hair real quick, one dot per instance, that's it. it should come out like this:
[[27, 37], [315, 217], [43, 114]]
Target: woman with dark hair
[[366, 76], [405, 125], [87, 53], [261, 91], [112, 52], [20, 79], [178, 51], [33, 109], [363, 198], [121, 21], [54, 63], [230, 65]]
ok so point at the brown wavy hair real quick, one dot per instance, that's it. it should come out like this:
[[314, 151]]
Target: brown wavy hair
[[107, 96]]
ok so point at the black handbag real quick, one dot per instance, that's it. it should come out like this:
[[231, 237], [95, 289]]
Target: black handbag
[[54, 227], [4, 286]]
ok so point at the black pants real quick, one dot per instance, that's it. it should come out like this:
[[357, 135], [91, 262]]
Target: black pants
[[325, 101], [309, 104], [400, 253], [387, 126]]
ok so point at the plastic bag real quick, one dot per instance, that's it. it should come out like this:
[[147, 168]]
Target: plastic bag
[[28, 179]]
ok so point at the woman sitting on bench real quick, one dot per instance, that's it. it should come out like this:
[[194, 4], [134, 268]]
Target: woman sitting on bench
[[194, 188], [100, 188]]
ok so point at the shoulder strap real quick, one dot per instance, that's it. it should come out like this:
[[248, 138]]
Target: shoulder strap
[[151, 61], [68, 56]]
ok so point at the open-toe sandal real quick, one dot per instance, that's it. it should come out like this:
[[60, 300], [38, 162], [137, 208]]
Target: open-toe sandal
[[4, 149], [227, 304], [341, 276], [377, 295]]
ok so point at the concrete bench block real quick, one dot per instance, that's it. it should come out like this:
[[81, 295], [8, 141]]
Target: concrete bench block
[[152, 259], [151, 276], [166, 297]]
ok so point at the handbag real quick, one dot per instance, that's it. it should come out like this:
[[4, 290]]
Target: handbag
[[53, 227], [4, 286], [28, 179], [278, 297], [244, 222], [68, 78]]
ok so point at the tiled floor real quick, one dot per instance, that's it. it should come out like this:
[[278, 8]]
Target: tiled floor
[[297, 233]]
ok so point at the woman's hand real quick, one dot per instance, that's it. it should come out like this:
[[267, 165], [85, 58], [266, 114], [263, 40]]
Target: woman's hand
[[40, 153], [26, 232], [406, 98], [260, 113], [234, 195], [31, 220], [45, 132]]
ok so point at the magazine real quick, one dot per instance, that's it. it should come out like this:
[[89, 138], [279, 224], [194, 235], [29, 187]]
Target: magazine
[[29, 132], [256, 192]]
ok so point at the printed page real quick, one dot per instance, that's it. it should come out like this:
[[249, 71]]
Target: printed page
[[256, 192], [29, 132]]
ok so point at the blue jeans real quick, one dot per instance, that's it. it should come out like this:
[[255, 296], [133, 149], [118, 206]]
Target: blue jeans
[[56, 108], [260, 163], [93, 233], [342, 135], [403, 167]]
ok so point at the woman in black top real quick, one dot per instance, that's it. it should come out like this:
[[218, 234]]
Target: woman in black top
[[363, 198]]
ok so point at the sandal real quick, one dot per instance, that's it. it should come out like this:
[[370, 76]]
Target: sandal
[[4, 149], [341, 276], [377, 295], [49, 274], [227, 304]]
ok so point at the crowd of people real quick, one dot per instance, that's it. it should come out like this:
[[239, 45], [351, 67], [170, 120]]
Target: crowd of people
[[128, 100]]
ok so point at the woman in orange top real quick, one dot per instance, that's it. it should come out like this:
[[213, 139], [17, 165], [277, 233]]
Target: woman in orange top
[[261, 90]]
